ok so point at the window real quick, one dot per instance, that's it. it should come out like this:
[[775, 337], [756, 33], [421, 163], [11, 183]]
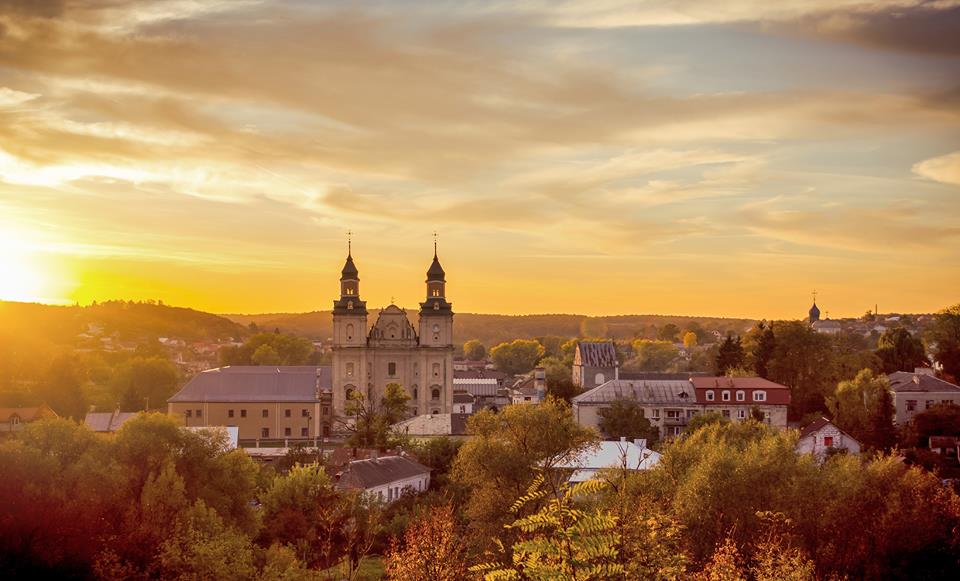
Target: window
[[911, 405], [741, 395], [188, 413], [726, 413], [243, 413], [350, 369], [264, 432], [930, 403], [265, 413], [656, 413], [690, 413], [828, 441], [304, 432], [436, 370], [287, 413], [435, 393], [463, 409], [414, 392], [741, 414], [391, 369], [759, 396], [286, 432], [350, 336], [673, 414], [434, 412], [325, 411], [304, 413], [709, 395], [229, 413], [725, 395], [599, 379], [14, 420], [326, 430], [675, 431], [199, 413]]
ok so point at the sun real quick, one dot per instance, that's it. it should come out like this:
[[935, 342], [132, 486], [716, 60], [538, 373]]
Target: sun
[[21, 276]]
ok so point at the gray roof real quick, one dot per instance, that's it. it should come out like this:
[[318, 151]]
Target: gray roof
[[372, 473], [256, 384], [481, 387], [459, 397], [597, 354], [433, 425], [904, 381], [670, 392], [107, 421]]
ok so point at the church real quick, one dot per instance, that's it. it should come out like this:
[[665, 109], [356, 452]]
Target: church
[[368, 358]]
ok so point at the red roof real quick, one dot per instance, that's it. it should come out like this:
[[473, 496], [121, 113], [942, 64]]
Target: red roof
[[776, 394]]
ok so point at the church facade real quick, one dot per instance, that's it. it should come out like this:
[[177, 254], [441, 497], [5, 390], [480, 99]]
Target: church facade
[[368, 358]]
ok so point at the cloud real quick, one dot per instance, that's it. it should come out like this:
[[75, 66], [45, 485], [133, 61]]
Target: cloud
[[944, 169]]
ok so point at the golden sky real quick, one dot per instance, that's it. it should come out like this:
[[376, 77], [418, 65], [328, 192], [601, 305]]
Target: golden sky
[[671, 156]]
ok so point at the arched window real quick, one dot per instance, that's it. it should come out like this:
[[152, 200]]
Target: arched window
[[414, 392], [599, 379], [435, 411], [709, 395], [350, 369], [435, 392], [349, 332], [349, 305]]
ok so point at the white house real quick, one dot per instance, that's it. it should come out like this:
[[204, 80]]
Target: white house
[[822, 436], [623, 454], [386, 477], [916, 392]]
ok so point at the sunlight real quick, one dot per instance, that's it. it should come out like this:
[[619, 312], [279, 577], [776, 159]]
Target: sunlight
[[21, 278]]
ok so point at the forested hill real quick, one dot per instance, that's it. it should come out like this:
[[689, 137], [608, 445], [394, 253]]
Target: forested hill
[[129, 320], [493, 329]]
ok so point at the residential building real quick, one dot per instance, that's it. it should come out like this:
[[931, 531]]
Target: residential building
[[419, 359], [611, 454], [462, 403], [594, 363], [670, 403], [531, 389], [386, 478], [827, 327], [263, 402], [432, 425], [13, 419], [106, 422], [919, 391], [821, 437]]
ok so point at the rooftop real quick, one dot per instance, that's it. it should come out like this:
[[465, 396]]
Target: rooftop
[[674, 391], [377, 472], [597, 353], [905, 381], [256, 384]]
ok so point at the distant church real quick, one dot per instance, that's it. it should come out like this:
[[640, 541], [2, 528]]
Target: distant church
[[392, 350]]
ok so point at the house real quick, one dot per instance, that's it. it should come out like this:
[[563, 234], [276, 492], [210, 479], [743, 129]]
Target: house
[[594, 363], [669, 403], [531, 389], [263, 402], [822, 436], [13, 419], [462, 402], [470, 364], [386, 478], [919, 391], [105, 422], [827, 327], [611, 454], [432, 425]]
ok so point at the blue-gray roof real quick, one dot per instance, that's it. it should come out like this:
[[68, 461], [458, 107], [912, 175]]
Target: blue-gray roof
[[266, 383]]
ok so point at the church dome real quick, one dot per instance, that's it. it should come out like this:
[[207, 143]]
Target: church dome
[[814, 313], [436, 271], [349, 271]]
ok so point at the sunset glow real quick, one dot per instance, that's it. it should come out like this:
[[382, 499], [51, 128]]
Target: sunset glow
[[673, 157]]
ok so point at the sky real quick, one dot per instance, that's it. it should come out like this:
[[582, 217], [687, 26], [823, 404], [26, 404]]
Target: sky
[[610, 157]]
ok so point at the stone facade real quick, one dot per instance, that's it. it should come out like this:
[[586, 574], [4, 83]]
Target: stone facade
[[419, 359]]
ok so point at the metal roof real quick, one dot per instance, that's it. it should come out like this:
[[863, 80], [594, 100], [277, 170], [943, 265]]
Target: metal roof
[[675, 392], [921, 382], [373, 473], [256, 384], [597, 354]]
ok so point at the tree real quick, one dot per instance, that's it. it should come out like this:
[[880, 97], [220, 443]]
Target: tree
[[432, 549], [145, 383], [804, 361], [652, 355], [690, 340], [761, 344], [283, 350], [500, 459], [518, 356], [940, 420], [731, 355], [474, 350], [946, 334], [559, 377], [369, 422], [624, 419], [669, 332], [900, 351], [706, 419], [863, 407], [561, 540], [265, 355], [62, 390]]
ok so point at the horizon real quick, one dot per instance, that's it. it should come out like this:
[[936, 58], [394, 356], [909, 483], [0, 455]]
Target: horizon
[[687, 157]]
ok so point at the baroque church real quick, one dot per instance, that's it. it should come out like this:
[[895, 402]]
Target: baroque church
[[420, 358]]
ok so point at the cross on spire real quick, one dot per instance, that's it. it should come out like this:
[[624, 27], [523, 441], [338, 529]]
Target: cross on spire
[[349, 241], [814, 295], [434, 243]]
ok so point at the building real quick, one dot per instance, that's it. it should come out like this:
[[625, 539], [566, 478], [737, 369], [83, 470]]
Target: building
[[462, 403], [432, 425], [419, 359], [919, 391], [14, 419], [611, 454], [386, 478], [670, 403], [531, 389], [821, 437], [106, 422], [827, 327], [264, 402], [594, 363]]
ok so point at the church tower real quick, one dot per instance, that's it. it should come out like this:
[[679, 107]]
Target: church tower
[[436, 314], [349, 335], [436, 344]]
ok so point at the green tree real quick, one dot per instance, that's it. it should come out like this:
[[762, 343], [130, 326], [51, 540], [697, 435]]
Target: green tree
[[145, 383], [504, 451], [652, 355], [265, 355], [369, 422], [62, 388], [946, 335], [804, 361], [559, 378], [761, 344], [730, 356], [474, 350], [283, 350], [863, 407], [624, 418], [518, 356], [705, 419], [669, 332], [940, 420], [900, 351]]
